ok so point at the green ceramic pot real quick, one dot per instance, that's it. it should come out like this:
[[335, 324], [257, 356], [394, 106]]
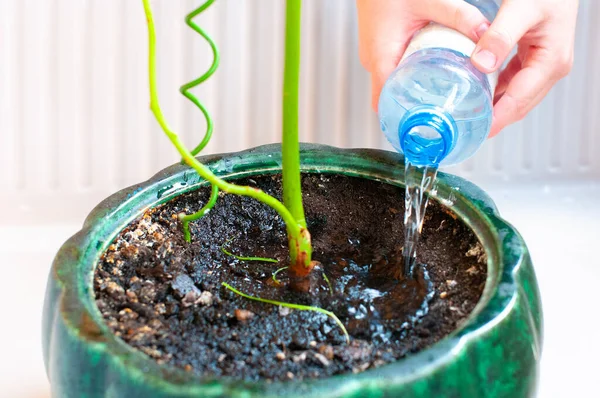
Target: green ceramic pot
[[495, 353]]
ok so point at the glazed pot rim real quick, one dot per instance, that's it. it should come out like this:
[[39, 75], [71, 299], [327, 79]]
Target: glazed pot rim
[[74, 266]]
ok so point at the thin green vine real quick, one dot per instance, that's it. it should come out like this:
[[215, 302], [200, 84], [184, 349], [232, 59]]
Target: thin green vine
[[299, 307], [187, 218], [185, 90], [326, 279], [244, 258], [189, 20], [275, 274]]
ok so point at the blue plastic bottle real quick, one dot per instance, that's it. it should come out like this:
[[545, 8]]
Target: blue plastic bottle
[[436, 107]]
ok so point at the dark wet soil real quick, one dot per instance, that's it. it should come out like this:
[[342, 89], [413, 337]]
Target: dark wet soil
[[165, 297]]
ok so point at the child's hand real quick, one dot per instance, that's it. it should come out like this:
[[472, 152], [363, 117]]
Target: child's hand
[[544, 31]]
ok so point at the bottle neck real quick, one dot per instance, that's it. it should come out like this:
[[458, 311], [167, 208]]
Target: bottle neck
[[427, 135]]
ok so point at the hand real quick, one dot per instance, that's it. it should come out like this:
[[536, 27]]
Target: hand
[[385, 28], [543, 29], [545, 33]]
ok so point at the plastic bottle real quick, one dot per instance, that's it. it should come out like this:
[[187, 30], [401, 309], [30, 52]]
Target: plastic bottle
[[436, 107]]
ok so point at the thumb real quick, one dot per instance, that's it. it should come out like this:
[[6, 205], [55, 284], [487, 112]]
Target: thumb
[[456, 14], [513, 21]]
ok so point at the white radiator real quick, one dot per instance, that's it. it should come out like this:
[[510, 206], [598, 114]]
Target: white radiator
[[75, 124]]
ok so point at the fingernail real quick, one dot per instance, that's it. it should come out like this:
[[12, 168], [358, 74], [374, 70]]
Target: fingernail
[[481, 30], [485, 58]]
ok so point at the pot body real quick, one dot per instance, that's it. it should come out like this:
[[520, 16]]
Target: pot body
[[494, 353]]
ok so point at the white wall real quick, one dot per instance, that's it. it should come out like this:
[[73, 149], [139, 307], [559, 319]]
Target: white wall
[[75, 124]]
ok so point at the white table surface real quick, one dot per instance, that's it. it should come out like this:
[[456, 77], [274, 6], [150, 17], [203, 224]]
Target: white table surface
[[561, 225]]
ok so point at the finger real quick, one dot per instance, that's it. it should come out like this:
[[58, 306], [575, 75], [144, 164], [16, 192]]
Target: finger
[[385, 27], [499, 123], [456, 14], [385, 57], [525, 90], [383, 66], [513, 67], [513, 21]]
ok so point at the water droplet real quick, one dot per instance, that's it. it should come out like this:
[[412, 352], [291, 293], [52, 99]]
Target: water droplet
[[164, 190]]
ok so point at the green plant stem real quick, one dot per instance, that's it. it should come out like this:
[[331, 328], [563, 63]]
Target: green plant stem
[[294, 229], [300, 247], [292, 194], [292, 306], [187, 218]]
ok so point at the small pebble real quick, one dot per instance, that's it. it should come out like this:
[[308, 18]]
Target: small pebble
[[284, 311], [443, 295], [457, 310], [183, 284], [472, 271], [155, 324], [127, 313], [129, 251], [206, 298], [327, 351], [280, 356], [113, 287], [451, 283], [299, 358], [312, 344], [117, 271], [289, 375], [188, 368], [131, 296], [360, 368], [321, 358], [152, 352], [189, 299], [147, 293], [243, 315], [222, 357], [475, 251]]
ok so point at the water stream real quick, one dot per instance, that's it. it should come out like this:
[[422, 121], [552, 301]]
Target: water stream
[[419, 180]]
